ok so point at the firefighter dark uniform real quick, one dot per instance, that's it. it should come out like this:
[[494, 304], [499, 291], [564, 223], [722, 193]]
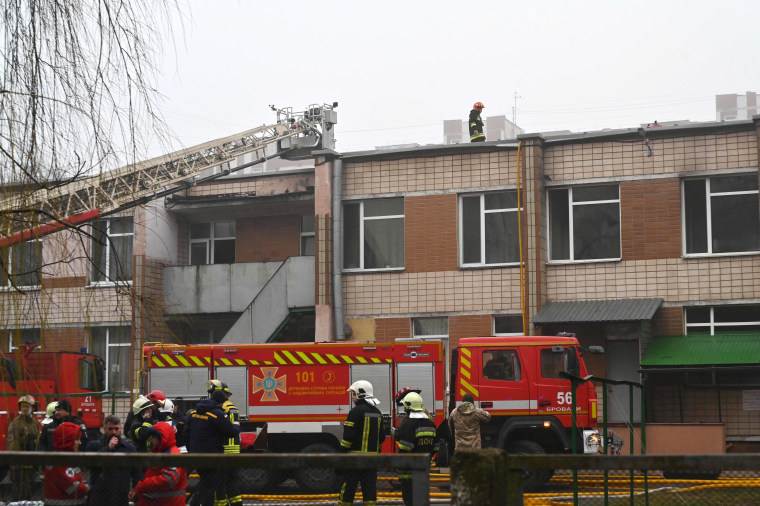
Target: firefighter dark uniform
[[231, 446], [416, 434], [143, 421], [476, 124], [363, 432]]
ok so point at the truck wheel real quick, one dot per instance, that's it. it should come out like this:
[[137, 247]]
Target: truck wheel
[[533, 479], [318, 480], [255, 480]]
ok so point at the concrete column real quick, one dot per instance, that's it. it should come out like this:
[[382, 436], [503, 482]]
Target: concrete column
[[325, 326], [535, 226]]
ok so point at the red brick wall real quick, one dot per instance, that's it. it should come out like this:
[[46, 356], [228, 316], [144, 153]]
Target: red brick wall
[[651, 219], [267, 239], [476, 325], [430, 233], [390, 329], [668, 321], [63, 339]]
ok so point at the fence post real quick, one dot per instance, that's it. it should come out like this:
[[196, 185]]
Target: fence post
[[421, 487], [481, 478]]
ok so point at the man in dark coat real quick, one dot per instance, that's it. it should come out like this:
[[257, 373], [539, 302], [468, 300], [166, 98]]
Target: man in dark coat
[[62, 414], [111, 485], [207, 431]]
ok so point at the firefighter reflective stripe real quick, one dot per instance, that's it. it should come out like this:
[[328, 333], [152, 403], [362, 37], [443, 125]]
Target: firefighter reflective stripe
[[72, 488], [343, 442], [405, 446], [172, 476]]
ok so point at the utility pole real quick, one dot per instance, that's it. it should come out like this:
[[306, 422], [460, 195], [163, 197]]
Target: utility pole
[[514, 110]]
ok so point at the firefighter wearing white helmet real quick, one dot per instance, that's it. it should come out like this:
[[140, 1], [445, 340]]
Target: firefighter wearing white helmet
[[23, 435], [144, 420], [416, 434], [363, 432]]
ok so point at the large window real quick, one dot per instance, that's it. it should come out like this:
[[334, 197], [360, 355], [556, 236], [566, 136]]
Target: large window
[[113, 346], [508, 325], [17, 337], [431, 328], [373, 232], [21, 264], [112, 250], [489, 232], [721, 215], [212, 243], [584, 223], [715, 319]]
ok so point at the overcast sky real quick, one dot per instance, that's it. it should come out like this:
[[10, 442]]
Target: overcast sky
[[399, 68]]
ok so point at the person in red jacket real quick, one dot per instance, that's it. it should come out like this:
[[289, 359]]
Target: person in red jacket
[[64, 485], [163, 486]]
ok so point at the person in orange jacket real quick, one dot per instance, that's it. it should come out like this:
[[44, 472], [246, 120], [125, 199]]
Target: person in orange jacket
[[163, 486], [64, 484]]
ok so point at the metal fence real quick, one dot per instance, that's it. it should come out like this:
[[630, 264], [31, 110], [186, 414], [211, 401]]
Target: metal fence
[[242, 479]]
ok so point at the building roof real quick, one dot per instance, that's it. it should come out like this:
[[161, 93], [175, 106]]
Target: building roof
[[597, 311], [703, 350]]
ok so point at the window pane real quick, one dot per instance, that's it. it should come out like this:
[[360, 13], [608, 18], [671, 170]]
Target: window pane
[[224, 229], [736, 328], [351, 236], [98, 341], [559, 225], [502, 244], [224, 251], [596, 230], [471, 230], [502, 200], [307, 223], [118, 368], [200, 230], [384, 243], [199, 253], [121, 226], [552, 363], [733, 183], [725, 314], [121, 258], [383, 207], [695, 208], [501, 365], [307, 246], [431, 326], [697, 315], [98, 253], [591, 193], [5, 254], [26, 263], [735, 223], [512, 324]]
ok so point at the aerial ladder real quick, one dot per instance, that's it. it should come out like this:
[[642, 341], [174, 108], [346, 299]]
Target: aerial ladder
[[31, 215]]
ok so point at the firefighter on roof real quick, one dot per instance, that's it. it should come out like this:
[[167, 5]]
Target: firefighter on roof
[[416, 434], [23, 435], [476, 124], [363, 432]]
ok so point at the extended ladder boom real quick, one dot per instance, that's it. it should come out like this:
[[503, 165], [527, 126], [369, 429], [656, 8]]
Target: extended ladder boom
[[46, 210]]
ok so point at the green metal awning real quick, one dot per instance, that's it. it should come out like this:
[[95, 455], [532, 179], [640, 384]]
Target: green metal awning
[[703, 350]]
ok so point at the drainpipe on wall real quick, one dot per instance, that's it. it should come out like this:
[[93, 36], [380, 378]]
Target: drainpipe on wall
[[337, 249]]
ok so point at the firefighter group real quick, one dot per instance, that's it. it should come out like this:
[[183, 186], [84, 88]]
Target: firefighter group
[[156, 425]]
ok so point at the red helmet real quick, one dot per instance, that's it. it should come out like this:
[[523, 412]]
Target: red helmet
[[402, 393], [157, 397], [478, 106]]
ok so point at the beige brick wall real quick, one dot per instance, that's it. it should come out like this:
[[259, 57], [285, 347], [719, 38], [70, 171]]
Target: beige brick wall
[[673, 279], [431, 173], [424, 292], [626, 158]]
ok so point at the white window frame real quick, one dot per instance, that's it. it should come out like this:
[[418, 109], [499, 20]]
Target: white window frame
[[697, 327], [106, 268], [108, 346], [9, 265], [493, 325], [362, 219], [304, 235], [571, 231], [12, 348], [209, 241], [483, 213], [708, 210]]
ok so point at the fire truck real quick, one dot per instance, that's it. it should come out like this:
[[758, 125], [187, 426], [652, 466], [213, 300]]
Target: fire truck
[[50, 376], [292, 396]]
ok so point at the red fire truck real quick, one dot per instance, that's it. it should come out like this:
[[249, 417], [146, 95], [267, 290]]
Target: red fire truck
[[49, 376], [295, 393]]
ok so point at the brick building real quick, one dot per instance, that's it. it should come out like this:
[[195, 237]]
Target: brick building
[[645, 241]]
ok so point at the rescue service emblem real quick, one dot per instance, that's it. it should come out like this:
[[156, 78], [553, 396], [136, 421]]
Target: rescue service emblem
[[70, 472], [269, 384]]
